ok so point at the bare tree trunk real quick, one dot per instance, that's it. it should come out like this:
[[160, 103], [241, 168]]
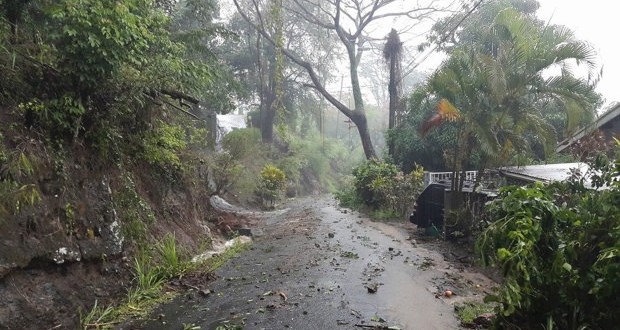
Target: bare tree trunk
[[392, 53], [267, 96], [394, 98], [358, 115], [268, 114], [359, 119]]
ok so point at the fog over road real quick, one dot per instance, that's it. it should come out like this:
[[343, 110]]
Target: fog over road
[[314, 265]]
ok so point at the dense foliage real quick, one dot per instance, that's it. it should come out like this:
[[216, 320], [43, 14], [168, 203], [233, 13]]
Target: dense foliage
[[558, 248], [381, 186], [309, 164], [119, 80], [498, 95]]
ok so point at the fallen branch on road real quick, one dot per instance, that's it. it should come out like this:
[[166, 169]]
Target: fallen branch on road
[[377, 327]]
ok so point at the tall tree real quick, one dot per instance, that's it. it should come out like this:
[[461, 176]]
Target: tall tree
[[392, 53], [256, 61], [349, 20], [195, 24]]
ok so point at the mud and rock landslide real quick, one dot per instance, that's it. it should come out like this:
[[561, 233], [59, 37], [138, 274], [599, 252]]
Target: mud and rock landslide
[[313, 265]]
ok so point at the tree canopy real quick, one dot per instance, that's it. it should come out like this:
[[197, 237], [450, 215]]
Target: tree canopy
[[349, 21], [498, 87]]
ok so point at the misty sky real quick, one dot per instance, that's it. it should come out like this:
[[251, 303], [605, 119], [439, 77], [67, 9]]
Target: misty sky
[[592, 21]]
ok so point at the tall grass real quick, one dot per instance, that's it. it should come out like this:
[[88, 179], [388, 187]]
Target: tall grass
[[172, 263], [150, 274], [97, 318]]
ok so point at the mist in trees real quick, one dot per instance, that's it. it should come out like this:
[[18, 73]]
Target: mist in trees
[[350, 22]]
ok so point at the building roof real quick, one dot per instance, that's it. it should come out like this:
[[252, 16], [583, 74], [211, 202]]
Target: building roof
[[600, 121], [544, 173]]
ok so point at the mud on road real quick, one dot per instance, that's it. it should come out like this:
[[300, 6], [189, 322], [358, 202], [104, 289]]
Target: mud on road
[[313, 265]]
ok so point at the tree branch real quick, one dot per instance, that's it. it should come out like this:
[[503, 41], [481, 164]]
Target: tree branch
[[179, 96], [154, 96], [297, 60]]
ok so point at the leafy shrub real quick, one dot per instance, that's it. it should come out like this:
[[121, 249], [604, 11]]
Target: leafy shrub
[[16, 168], [136, 214], [272, 182], [163, 145], [98, 37], [225, 171], [347, 196], [559, 249], [244, 149], [382, 187], [316, 164], [369, 176], [399, 192], [60, 117], [242, 142]]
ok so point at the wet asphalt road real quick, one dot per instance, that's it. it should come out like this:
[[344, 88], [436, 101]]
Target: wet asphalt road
[[311, 268]]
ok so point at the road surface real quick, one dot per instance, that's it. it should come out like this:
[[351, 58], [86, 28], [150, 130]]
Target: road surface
[[313, 265]]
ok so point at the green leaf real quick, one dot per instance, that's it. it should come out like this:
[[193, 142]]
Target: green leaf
[[567, 267]]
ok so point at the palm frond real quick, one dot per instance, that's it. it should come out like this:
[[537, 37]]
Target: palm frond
[[446, 111]]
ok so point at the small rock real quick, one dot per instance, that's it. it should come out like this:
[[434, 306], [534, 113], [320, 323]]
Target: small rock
[[245, 232], [372, 287], [485, 319], [331, 235]]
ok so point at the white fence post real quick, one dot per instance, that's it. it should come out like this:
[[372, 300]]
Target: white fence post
[[430, 177]]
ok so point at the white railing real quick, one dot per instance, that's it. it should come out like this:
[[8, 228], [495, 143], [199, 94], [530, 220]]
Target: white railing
[[430, 177]]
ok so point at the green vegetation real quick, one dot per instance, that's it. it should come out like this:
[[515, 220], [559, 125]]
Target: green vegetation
[[136, 213], [101, 76], [558, 249], [271, 184], [97, 318], [163, 145], [15, 170], [467, 312], [381, 187], [150, 274], [349, 254], [100, 111], [309, 165], [118, 91], [171, 256], [491, 102]]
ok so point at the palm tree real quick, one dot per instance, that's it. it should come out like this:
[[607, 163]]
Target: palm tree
[[500, 91], [392, 54]]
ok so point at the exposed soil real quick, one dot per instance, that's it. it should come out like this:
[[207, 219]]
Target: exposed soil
[[46, 295], [313, 265], [50, 296]]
